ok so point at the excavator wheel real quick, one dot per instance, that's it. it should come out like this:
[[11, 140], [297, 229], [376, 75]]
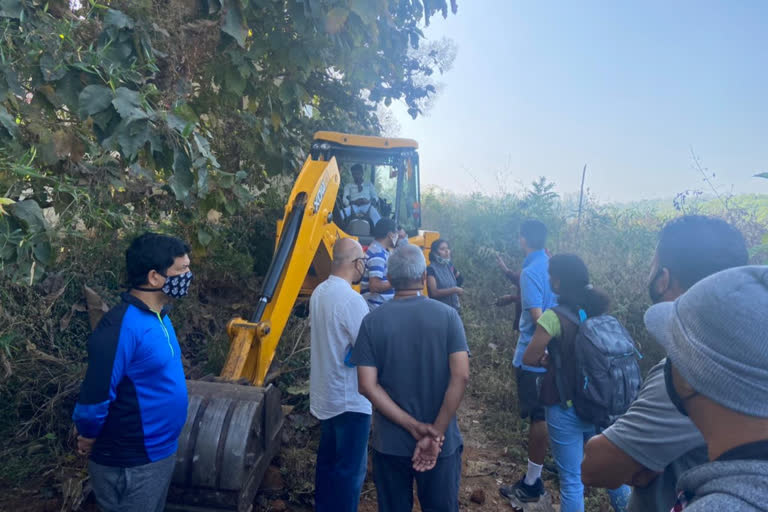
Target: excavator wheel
[[231, 435]]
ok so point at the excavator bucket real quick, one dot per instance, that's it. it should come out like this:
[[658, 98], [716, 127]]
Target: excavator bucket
[[233, 431], [231, 435]]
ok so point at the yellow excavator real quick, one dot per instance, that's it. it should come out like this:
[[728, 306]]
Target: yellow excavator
[[233, 430]]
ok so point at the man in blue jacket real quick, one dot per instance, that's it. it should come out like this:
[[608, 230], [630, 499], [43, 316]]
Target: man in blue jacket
[[133, 401]]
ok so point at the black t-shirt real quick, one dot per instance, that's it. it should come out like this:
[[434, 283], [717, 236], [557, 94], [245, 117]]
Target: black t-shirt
[[409, 342]]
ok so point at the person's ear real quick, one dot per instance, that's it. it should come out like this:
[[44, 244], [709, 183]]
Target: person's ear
[[663, 282], [155, 279], [424, 278], [681, 385]]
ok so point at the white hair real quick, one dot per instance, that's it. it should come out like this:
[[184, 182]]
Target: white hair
[[406, 265]]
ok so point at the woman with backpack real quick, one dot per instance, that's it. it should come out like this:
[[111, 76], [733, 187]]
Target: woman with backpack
[[554, 347], [443, 280]]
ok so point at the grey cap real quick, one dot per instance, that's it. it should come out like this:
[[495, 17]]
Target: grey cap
[[716, 335]]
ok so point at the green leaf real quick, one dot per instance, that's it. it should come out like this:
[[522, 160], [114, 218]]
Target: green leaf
[[42, 251], [365, 9], [103, 119], [30, 214], [12, 79], [204, 237], [233, 22], [205, 149], [235, 82], [11, 9], [176, 123], [762, 175], [9, 123], [3, 88], [68, 88], [131, 136], [335, 19], [117, 19], [128, 104], [202, 181], [94, 99], [52, 70], [182, 180]]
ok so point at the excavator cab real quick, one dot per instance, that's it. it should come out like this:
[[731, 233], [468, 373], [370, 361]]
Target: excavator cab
[[233, 425], [390, 167]]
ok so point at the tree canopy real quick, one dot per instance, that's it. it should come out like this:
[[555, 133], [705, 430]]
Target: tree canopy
[[184, 106]]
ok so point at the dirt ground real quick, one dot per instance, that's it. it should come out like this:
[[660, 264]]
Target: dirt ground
[[485, 467]]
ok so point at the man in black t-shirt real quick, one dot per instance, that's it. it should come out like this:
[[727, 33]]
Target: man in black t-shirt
[[413, 366]]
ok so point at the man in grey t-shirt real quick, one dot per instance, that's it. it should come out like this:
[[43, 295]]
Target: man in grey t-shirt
[[652, 444], [412, 361]]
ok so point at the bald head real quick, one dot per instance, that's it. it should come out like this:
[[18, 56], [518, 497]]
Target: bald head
[[348, 260], [345, 251]]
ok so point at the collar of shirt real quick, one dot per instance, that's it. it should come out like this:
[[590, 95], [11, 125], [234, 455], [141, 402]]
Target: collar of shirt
[[135, 301], [375, 246], [534, 256], [338, 280], [750, 451]]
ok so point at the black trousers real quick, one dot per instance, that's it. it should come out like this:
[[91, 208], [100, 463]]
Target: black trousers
[[438, 488]]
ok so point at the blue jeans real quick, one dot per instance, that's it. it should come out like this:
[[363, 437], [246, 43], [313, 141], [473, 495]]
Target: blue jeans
[[567, 435], [342, 459]]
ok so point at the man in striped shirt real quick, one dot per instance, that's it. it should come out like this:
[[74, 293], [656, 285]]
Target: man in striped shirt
[[375, 288]]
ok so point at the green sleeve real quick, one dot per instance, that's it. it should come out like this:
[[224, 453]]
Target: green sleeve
[[551, 323]]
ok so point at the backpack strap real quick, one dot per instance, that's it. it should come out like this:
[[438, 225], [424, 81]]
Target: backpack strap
[[562, 312]]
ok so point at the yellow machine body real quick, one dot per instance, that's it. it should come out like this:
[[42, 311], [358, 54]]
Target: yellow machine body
[[253, 345], [235, 429]]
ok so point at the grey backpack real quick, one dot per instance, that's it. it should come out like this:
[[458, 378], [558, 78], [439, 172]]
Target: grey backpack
[[607, 375]]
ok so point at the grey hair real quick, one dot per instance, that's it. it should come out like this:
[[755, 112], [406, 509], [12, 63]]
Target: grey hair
[[406, 265]]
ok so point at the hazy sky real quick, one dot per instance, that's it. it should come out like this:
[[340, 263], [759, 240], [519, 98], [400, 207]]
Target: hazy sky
[[627, 87]]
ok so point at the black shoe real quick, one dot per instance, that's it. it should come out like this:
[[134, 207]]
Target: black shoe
[[523, 492]]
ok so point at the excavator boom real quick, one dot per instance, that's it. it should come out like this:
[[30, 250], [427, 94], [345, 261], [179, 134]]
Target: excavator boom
[[233, 431]]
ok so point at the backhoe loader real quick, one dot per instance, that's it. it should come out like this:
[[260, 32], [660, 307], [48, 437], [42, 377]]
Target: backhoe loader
[[233, 431]]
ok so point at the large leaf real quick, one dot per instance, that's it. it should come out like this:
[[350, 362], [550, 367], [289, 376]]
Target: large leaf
[[128, 104], [233, 22], [131, 136], [117, 19], [11, 9], [42, 251], [335, 19], [94, 99], [30, 214], [365, 9], [12, 79], [51, 69], [68, 89], [182, 180], [9, 123], [205, 149], [3, 88]]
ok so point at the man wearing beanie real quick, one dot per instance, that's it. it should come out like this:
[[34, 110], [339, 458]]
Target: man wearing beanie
[[716, 338]]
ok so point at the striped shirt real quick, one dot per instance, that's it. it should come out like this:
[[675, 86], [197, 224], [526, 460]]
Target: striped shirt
[[375, 266]]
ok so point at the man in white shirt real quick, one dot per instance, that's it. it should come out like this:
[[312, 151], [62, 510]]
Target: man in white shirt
[[358, 196], [336, 312]]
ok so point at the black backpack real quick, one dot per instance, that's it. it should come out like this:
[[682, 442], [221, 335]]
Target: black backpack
[[606, 371]]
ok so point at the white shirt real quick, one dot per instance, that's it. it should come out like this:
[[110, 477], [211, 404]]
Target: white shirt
[[352, 192], [336, 311]]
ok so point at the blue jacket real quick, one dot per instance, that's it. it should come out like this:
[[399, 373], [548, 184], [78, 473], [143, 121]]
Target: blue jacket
[[134, 396]]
